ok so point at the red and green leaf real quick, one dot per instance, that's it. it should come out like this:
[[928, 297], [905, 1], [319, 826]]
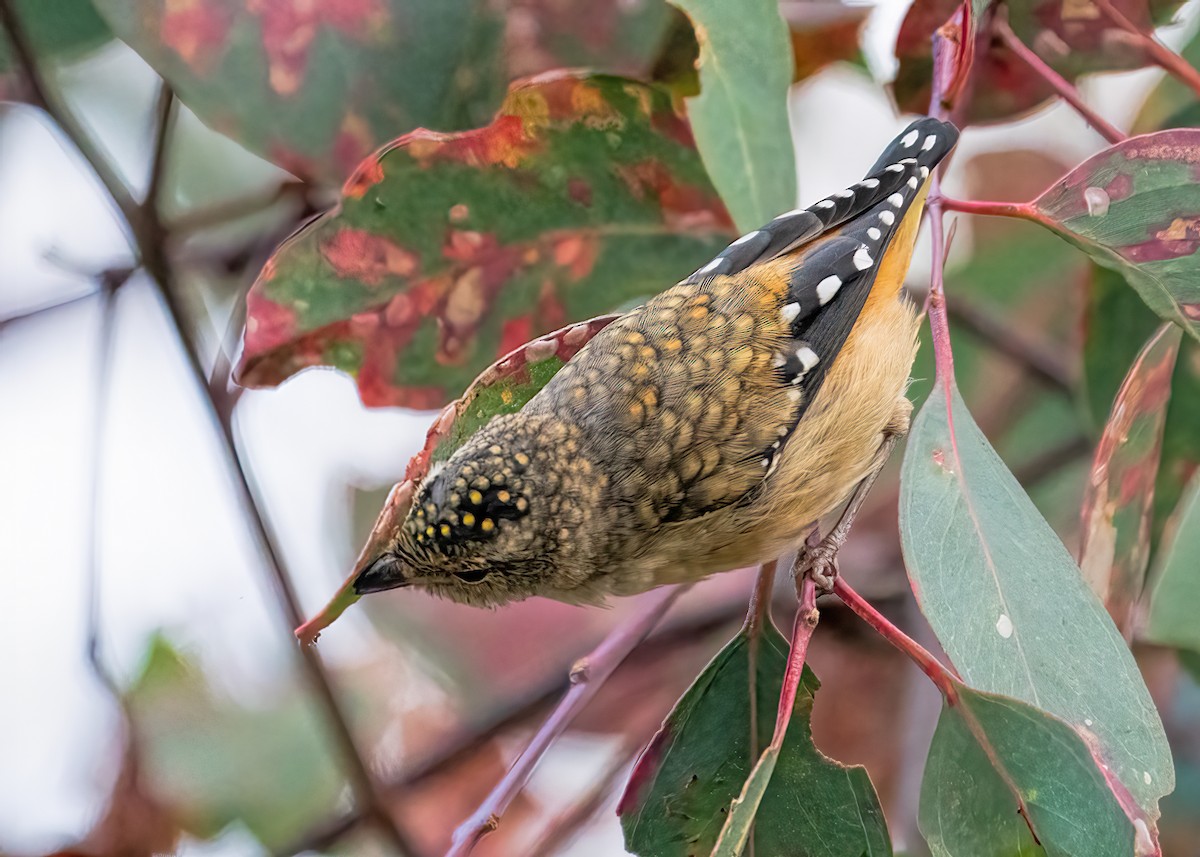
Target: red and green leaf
[[449, 250], [1118, 503], [317, 86], [1074, 37], [1135, 208], [503, 388]]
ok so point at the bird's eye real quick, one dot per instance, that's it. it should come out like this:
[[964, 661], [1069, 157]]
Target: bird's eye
[[476, 576]]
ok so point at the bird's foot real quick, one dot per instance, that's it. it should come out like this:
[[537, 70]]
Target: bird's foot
[[821, 564]]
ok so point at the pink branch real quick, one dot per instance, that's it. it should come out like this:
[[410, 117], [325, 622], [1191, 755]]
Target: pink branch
[[931, 666], [1023, 210], [1163, 57], [802, 631], [587, 677], [1058, 83]]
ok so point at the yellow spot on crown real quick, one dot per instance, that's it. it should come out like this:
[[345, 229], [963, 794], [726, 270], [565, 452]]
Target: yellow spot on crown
[[503, 496], [522, 458], [475, 497], [487, 525], [522, 504], [468, 520], [429, 531], [445, 530]]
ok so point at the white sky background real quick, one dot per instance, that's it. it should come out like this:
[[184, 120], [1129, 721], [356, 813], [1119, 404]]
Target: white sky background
[[174, 551]]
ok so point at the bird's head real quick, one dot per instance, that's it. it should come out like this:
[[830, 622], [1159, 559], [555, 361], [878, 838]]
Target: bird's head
[[484, 528]]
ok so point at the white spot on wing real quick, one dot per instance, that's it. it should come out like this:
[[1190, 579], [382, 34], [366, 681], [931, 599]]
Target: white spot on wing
[[825, 203], [911, 137], [792, 213], [844, 194], [887, 218], [712, 266], [912, 182], [924, 172], [789, 312], [827, 288], [1097, 200], [874, 234], [749, 236], [929, 143], [1004, 626], [807, 357], [869, 183], [895, 168], [777, 360], [862, 258], [895, 200]]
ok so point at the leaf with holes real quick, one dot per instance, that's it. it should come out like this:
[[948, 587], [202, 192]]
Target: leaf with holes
[[502, 388], [1074, 38], [448, 251], [999, 769], [1118, 502], [1008, 603], [1175, 603], [1135, 208], [740, 116], [57, 29], [686, 779]]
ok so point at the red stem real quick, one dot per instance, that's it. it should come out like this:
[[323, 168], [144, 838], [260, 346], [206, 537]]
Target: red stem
[[802, 631], [1058, 83], [587, 676], [1022, 210], [1163, 56], [931, 666]]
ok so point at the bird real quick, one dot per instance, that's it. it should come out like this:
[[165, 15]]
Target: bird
[[705, 430]]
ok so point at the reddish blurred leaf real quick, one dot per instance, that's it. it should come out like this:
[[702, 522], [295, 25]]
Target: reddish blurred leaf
[[448, 250], [316, 86], [1073, 36], [502, 388], [822, 34], [1118, 504]]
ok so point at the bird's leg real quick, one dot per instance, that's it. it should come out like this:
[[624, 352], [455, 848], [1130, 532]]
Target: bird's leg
[[820, 560]]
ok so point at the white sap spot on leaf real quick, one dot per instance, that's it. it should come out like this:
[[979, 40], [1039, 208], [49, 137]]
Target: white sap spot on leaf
[[1146, 778], [1097, 201], [1004, 626], [1087, 722]]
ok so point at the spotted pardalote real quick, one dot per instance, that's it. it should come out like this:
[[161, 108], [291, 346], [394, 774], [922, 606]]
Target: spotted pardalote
[[704, 431]]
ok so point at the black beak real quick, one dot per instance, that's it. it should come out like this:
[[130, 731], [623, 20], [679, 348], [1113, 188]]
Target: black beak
[[386, 572]]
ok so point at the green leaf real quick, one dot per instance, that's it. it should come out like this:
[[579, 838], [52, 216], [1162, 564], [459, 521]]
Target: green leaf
[[1175, 604], [998, 767], [448, 251], [1118, 502], [215, 762], [57, 29], [740, 116], [503, 388], [682, 787], [1008, 603], [1135, 208], [1172, 103]]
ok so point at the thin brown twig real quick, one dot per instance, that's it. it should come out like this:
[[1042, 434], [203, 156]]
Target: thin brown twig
[[1163, 57], [588, 675], [148, 238], [1057, 82], [164, 118], [234, 209]]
